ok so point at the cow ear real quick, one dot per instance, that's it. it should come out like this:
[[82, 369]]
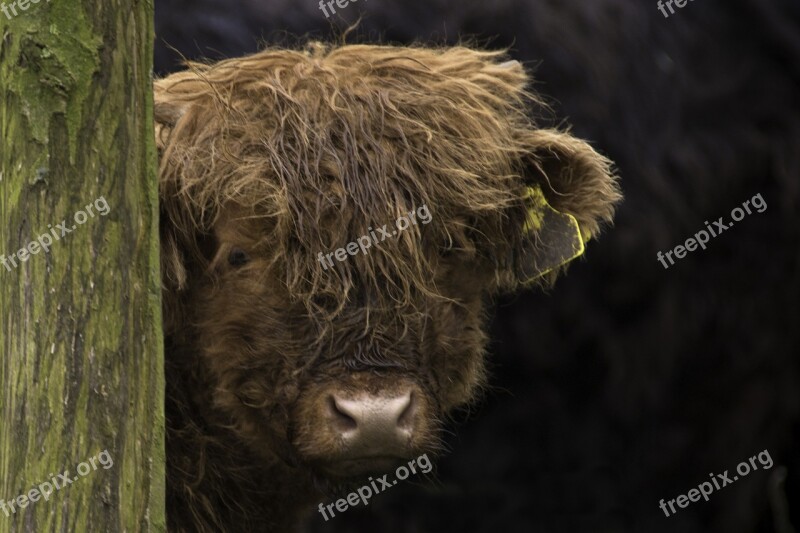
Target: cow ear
[[572, 191], [166, 115]]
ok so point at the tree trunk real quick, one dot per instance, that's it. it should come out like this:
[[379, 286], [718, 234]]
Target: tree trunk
[[81, 340]]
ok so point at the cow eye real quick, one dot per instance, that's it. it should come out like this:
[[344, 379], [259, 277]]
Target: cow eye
[[238, 257]]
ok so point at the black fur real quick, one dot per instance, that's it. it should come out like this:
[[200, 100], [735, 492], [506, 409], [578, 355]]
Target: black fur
[[628, 383]]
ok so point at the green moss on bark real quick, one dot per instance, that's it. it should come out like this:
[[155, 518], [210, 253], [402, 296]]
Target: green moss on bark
[[81, 340]]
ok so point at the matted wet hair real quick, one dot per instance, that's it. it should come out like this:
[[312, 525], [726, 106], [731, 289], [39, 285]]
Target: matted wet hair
[[319, 143]]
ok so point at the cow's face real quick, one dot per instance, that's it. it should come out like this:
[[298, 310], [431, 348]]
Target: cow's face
[[332, 227], [354, 379]]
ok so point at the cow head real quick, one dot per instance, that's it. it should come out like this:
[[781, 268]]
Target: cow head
[[333, 222]]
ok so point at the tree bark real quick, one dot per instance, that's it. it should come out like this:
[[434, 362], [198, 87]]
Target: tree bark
[[81, 341]]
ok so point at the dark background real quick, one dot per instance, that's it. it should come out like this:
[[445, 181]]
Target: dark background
[[627, 383]]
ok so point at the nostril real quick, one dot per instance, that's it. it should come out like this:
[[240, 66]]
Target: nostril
[[341, 419], [408, 414]]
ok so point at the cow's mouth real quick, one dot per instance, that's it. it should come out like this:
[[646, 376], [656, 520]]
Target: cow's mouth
[[360, 466]]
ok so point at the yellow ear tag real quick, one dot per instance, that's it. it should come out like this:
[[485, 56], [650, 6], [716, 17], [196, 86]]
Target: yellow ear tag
[[556, 238]]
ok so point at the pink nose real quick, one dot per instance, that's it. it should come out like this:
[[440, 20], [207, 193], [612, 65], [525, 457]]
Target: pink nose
[[374, 425]]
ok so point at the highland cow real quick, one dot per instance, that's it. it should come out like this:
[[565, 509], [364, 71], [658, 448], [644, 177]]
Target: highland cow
[[285, 379]]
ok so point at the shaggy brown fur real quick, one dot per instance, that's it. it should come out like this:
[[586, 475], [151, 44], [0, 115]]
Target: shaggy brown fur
[[268, 160]]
